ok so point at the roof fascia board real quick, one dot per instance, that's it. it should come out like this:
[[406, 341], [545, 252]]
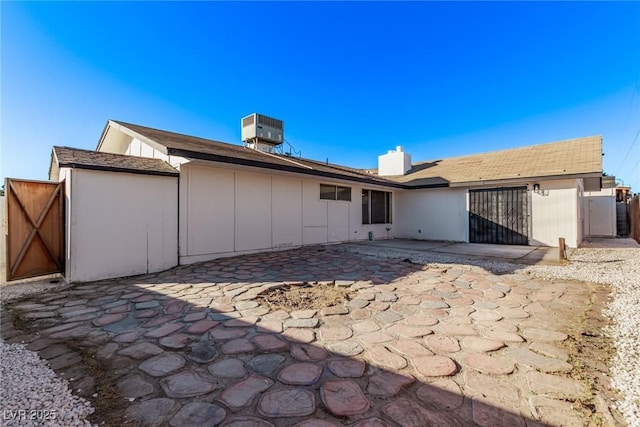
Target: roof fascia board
[[114, 169], [427, 186], [54, 161], [526, 179], [286, 168], [103, 135], [154, 144]]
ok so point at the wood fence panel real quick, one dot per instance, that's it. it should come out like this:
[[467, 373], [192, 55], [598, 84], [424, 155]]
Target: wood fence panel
[[634, 218], [35, 228]]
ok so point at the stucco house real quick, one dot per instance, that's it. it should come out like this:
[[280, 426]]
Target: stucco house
[[146, 200]]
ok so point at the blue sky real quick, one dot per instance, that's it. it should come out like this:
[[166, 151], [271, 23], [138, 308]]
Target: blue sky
[[350, 80]]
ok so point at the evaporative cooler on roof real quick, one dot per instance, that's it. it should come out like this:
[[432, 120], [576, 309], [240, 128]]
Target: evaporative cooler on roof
[[262, 130]]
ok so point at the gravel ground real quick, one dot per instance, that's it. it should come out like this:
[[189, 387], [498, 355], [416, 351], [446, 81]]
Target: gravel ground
[[30, 392], [615, 262], [32, 395]]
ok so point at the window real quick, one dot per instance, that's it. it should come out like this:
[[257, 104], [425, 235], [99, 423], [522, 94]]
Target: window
[[376, 207], [334, 192]]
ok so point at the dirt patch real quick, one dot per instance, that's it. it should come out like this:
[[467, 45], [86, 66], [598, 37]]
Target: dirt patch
[[591, 352], [305, 296], [109, 404]]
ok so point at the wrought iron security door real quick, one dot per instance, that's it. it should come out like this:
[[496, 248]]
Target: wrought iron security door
[[499, 216]]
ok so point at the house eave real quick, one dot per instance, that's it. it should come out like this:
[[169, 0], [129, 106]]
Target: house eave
[[117, 126], [524, 180], [286, 168], [115, 169]]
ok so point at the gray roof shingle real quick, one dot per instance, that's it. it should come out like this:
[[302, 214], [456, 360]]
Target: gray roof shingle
[[573, 157], [96, 160], [192, 147]]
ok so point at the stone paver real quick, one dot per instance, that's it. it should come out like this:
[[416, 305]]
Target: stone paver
[[187, 384], [408, 413], [266, 363], [175, 341], [442, 344], [415, 345], [481, 344], [301, 323], [308, 353], [270, 342], [554, 412], [338, 333], [152, 412], [539, 334], [545, 364], [434, 366], [165, 330], [386, 383], [141, 350], [382, 357], [133, 386], [162, 364], [240, 345], [109, 318], [498, 387], [486, 414], [198, 414], [554, 386], [300, 374], [201, 326], [287, 403], [228, 368], [242, 393], [495, 365], [221, 333], [203, 352], [443, 393], [344, 398]]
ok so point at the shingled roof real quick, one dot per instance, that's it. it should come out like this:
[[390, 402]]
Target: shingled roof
[[95, 160], [574, 158], [569, 158], [191, 147]]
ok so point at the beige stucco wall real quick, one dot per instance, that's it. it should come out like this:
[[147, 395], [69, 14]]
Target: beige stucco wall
[[226, 211], [119, 224], [434, 214]]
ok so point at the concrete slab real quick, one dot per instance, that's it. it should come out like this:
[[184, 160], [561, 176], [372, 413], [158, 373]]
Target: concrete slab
[[529, 255], [485, 250], [405, 244]]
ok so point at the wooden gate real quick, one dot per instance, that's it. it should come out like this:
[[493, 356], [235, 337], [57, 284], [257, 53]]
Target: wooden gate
[[499, 216], [35, 232]]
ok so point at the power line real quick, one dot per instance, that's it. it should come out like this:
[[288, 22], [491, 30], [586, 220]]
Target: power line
[[635, 139], [626, 122], [634, 167]]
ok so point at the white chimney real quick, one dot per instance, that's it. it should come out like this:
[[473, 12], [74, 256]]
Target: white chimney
[[394, 162]]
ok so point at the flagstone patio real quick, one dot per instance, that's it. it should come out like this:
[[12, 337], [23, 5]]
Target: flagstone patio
[[415, 346]]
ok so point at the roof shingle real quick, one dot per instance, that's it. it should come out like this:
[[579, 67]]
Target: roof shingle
[[206, 149], [96, 160], [579, 156]]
